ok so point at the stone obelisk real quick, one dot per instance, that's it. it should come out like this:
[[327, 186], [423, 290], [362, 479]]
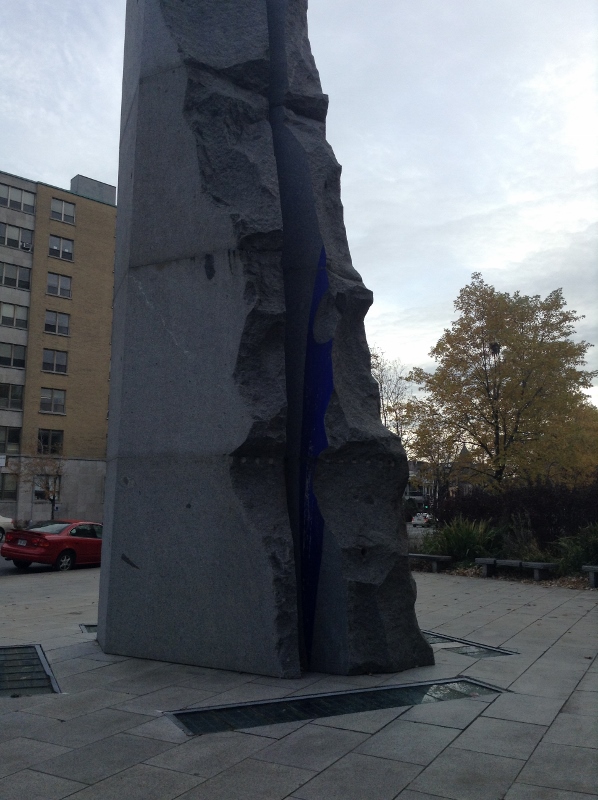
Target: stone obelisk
[[253, 497]]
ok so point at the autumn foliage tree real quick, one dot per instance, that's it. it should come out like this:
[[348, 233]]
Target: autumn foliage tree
[[508, 386]]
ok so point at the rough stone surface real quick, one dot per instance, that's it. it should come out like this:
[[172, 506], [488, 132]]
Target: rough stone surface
[[253, 496]]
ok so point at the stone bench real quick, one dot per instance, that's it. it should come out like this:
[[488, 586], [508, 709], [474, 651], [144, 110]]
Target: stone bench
[[541, 569], [489, 565], [438, 562], [592, 571]]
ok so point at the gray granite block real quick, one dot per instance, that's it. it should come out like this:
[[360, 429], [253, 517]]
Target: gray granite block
[[464, 775], [589, 683], [583, 703], [161, 728], [168, 699], [579, 731], [450, 714], [251, 780], [413, 742], [562, 767], [69, 706], [18, 754], [501, 737], [524, 708], [90, 728], [99, 760], [208, 755], [34, 785], [364, 721], [356, 776], [523, 791], [312, 747], [141, 782]]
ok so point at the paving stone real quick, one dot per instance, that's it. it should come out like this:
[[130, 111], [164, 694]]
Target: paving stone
[[562, 767], [275, 731], [501, 737], [20, 753], [208, 755], [522, 791], [89, 728], [36, 786], [251, 780], [584, 704], [16, 724], [171, 698], [74, 666], [245, 693], [407, 794], [449, 714], [465, 775], [85, 649], [364, 721], [524, 708], [574, 730], [141, 782], [69, 706], [356, 776], [413, 742], [312, 747], [161, 728], [589, 683], [97, 761]]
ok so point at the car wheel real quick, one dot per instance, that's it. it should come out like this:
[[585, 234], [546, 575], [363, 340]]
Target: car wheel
[[21, 564], [66, 560]]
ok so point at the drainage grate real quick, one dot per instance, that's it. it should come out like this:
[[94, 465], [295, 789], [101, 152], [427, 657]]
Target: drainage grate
[[273, 712], [88, 628], [467, 648], [25, 670]]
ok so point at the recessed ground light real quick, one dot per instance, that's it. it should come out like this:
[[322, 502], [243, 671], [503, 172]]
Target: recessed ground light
[[467, 648], [24, 670], [294, 709]]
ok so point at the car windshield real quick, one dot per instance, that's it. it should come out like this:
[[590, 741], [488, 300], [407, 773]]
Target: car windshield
[[51, 526]]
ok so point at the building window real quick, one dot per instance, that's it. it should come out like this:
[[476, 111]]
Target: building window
[[11, 397], [52, 401], [8, 486], [17, 277], [12, 355], [13, 316], [10, 440], [53, 361], [63, 211], [46, 487], [59, 285], [19, 199], [11, 236], [49, 443], [57, 323], [61, 248]]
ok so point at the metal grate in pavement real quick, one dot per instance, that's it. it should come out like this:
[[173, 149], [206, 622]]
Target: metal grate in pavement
[[271, 712], [467, 648], [24, 669], [88, 628]]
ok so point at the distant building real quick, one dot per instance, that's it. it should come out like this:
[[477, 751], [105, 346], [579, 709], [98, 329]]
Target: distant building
[[56, 281]]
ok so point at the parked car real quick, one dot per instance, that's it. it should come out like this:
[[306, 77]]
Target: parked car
[[6, 524], [423, 519], [61, 543]]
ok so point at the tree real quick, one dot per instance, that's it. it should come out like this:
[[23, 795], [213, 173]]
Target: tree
[[509, 380], [394, 394], [43, 473]]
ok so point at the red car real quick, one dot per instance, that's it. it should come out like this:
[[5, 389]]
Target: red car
[[61, 543]]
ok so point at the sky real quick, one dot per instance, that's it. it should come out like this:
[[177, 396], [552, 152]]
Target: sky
[[467, 131]]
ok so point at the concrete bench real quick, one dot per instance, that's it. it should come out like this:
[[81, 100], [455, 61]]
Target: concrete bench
[[489, 565], [592, 571], [438, 562], [541, 569]]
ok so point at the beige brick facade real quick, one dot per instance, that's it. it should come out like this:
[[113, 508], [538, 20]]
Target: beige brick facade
[[83, 421]]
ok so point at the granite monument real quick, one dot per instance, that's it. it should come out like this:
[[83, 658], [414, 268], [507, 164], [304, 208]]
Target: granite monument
[[253, 496]]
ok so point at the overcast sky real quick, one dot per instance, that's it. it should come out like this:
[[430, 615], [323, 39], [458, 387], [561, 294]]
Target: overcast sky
[[467, 131]]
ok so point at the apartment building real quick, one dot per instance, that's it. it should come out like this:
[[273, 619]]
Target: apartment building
[[56, 281]]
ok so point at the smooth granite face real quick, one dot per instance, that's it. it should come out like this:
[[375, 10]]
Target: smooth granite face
[[252, 496]]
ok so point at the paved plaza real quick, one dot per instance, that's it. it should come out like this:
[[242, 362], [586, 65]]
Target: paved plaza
[[105, 737]]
